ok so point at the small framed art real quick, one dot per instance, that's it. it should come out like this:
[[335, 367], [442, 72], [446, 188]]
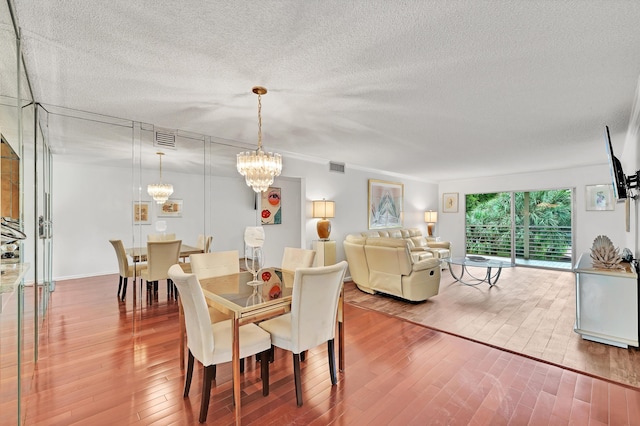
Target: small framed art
[[271, 207], [599, 197], [141, 213], [171, 208], [450, 202]]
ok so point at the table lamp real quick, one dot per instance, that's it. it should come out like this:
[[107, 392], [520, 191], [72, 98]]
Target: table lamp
[[323, 209], [431, 218]]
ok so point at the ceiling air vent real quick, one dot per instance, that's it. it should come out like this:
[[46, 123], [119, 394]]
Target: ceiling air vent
[[165, 139], [336, 167]]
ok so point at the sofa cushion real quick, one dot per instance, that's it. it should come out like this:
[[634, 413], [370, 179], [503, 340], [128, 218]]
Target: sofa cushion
[[370, 234], [414, 232], [396, 233]]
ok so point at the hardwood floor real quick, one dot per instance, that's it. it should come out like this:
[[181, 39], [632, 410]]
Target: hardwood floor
[[530, 312], [93, 370]]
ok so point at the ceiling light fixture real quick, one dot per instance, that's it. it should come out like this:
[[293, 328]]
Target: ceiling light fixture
[[259, 168], [160, 191]]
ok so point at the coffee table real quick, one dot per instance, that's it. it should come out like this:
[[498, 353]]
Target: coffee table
[[477, 262]]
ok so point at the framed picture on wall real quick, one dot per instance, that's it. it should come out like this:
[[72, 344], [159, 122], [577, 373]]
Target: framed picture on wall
[[141, 213], [171, 208], [599, 197], [386, 203], [271, 206], [450, 202]]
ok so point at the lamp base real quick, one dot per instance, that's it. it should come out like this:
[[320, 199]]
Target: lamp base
[[430, 227], [324, 229]]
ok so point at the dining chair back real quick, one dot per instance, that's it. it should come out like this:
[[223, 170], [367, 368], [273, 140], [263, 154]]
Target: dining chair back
[[204, 242], [161, 237], [215, 264], [294, 258], [313, 316], [160, 256], [211, 344], [126, 271]]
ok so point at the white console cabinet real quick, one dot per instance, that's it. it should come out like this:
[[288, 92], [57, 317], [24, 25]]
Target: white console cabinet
[[606, 304]]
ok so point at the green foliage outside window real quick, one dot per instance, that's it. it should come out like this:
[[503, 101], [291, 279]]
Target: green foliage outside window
[[548, 224]]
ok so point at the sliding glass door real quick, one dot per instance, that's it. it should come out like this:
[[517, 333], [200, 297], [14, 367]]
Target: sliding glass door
[[533, 228]]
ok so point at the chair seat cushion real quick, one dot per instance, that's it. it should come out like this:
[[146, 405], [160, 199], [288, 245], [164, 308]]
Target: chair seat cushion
[[280, 330], [253, 340]]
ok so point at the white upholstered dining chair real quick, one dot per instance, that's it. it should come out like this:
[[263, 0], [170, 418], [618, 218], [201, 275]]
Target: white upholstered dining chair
[[160, 256], [204, 242], [294, 258], [312, 320], [126, 271], [161, 237], [215, 264], [211, 344], [209, 265]]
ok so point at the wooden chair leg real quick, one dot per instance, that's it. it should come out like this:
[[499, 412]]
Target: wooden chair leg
[[296, 377], [303, 355], [187, 381], [241, 365], [209, 372], [124, 288], [119, 286], [264, 372], [332, 361]]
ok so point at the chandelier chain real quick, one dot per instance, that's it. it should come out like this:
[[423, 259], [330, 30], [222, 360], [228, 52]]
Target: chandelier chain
[[259, 121]]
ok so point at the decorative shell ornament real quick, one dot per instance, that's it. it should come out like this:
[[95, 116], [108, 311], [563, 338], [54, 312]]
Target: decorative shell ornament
[[604, 254]]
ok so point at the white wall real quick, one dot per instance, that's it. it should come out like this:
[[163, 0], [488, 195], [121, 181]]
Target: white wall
[[350, 193], [588, 224], [85, 219]]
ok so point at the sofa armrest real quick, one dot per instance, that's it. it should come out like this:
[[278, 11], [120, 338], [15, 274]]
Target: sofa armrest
[[426, 264]]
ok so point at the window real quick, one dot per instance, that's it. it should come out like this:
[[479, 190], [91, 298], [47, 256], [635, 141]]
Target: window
[[531, 228]]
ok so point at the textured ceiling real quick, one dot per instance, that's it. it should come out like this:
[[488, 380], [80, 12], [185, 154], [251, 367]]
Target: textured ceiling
[[433, 89]]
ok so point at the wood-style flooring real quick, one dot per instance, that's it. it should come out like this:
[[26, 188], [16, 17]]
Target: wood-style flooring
[[94, 371], [530, 312]]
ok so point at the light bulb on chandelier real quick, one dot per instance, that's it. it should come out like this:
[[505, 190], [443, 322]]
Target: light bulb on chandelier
[[259, 168], [160, 191]]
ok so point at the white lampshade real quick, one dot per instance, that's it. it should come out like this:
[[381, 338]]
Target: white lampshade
[[323, 209], [431, 216]]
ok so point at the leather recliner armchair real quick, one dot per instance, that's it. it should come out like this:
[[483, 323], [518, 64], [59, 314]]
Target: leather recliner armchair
[[385, 265]]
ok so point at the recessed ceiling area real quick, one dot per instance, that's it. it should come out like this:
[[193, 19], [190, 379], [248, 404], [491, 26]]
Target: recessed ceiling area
[[433, 90]]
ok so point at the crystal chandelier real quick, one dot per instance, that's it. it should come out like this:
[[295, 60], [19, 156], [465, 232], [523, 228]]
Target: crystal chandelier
[[259, 168], [160, 191]]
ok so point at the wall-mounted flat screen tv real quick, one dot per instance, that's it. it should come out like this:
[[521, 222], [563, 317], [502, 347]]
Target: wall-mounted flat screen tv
[[617, 174]]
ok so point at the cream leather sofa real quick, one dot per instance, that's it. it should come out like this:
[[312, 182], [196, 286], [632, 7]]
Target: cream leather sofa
[[386, 265], [421, 247]]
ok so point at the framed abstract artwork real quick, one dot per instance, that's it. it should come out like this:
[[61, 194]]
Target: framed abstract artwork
[[450, 202], [141, 213], [271, 207], [171, 208], [386, 202], [599, 197]]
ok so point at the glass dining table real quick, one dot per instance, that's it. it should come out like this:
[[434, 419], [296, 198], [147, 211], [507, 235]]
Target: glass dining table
[[229, 295]]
